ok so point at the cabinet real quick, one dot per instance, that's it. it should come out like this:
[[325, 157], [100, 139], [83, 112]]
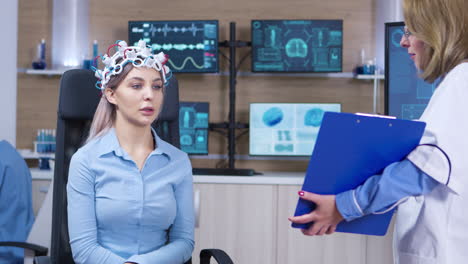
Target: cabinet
[[250, 222], [41, 179], [238, 218], [40, 187], [379, 249], [294, 247]]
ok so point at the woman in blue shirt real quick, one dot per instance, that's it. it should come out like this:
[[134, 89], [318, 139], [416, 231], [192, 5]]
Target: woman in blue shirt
[[129, 192]]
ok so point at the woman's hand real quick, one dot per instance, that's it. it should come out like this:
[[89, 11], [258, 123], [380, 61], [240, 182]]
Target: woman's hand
[[325, 216]]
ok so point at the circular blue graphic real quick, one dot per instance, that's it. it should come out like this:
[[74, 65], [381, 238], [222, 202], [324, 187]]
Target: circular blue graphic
[[273, 116], [186, 140], [396, 37], [257, 24], [313, 117]]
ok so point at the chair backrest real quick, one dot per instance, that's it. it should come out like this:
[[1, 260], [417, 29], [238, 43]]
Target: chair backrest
[[78, 99], [16, 208]]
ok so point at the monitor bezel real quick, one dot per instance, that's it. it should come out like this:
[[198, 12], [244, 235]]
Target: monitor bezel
[[273, 72], [208, 129], [195, 20], [284, 156], [387, 56]]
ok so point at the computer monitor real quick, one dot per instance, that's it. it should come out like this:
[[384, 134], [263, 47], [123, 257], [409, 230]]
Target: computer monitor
[[406, 94], [286, 129], [193, 127], [297, 45], [192, 45]]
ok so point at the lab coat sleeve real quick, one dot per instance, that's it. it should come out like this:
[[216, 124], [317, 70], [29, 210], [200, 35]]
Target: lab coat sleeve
[[380, 192], [446, 128]]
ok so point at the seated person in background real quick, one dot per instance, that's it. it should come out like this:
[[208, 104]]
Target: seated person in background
[[16, 211], [130, 193]]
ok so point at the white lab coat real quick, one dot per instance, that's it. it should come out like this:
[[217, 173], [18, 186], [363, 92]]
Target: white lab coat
[[433, 228]]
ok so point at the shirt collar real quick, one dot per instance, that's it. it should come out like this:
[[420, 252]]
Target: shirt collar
[[109, 143], [162, 147]]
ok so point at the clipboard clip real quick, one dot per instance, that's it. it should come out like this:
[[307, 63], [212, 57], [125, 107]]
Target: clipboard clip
[[375, 115]]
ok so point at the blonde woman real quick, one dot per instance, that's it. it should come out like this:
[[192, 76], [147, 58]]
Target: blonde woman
[[129, 192], [433, 180]]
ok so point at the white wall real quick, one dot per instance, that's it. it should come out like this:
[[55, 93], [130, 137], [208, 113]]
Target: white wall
[[8, 46], [386, 11]]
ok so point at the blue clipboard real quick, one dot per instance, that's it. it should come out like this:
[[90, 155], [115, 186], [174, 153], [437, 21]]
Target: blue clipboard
[[351, 148]]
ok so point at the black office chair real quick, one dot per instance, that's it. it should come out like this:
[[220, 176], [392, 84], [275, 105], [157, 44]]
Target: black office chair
[[78, 99]]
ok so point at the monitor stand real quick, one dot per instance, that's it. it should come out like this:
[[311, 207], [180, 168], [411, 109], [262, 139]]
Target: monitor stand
[[222, 172]]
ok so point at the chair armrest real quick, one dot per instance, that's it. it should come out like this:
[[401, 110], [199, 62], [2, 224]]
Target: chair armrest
[[38, 250], [220, 256]]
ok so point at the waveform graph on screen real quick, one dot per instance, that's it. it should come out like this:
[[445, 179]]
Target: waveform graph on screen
[[297, 45], [192, 46]]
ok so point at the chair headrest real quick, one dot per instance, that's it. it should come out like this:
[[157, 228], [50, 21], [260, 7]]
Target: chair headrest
[[78, 97], [170, 110]]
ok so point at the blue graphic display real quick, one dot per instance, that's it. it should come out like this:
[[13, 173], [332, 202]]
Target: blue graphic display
[[192, 46], [286, 129], [193, 127], [273, 116], [406, 93], [297, 45]]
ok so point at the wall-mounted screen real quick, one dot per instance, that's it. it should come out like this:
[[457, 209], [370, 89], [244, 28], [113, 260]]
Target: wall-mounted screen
[[286, 129], [193, 127], [192, 46], [297, 45], [406, 94]]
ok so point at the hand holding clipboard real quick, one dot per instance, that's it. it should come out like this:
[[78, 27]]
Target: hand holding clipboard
[[351, 148]]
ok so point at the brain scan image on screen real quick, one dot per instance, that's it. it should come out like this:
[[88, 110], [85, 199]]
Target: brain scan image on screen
[[297, 45], [313, 117], [272, 116], [296, 48], [286, 129]]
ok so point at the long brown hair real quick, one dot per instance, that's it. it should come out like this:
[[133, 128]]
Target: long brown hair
[[443, 26]]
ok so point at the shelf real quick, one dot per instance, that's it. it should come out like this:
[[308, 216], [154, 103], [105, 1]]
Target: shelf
[[49, 72], [37, 174], [29, 154], [302, 74], [248, 157], [280, 178], [370, 77], [285, 178]]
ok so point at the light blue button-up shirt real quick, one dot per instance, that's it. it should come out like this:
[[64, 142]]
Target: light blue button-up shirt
[[117, 213]]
